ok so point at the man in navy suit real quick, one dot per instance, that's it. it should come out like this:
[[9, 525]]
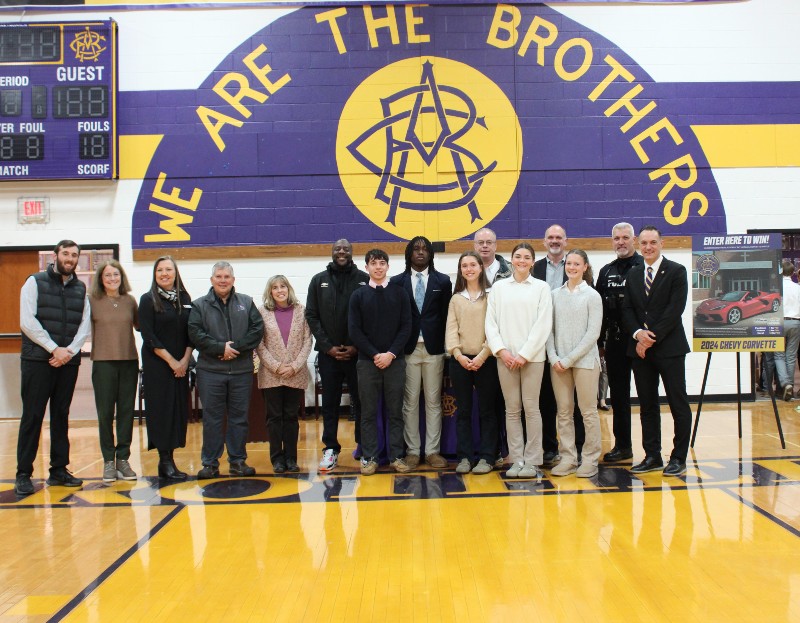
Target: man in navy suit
[[429, 292], [655, 297]]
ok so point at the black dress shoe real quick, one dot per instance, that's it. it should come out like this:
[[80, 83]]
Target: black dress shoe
[[618, 454], [650, 464], [60, 477], [168, 470], [675, 467], [23, 485], [279, 467], [292, 466]]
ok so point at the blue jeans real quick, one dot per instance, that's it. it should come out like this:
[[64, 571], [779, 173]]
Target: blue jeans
[[785, 362], [221, 393]]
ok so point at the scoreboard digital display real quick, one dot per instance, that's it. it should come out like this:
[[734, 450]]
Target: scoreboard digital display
[[58, 100]]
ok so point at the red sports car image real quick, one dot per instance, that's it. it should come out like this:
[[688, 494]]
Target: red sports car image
[[732, 307]]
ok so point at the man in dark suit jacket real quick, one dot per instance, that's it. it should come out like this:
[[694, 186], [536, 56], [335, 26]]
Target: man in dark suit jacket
[[429, 292], [655, 297], [551, 269]]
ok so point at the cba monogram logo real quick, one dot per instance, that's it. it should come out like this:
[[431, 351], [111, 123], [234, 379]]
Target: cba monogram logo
[[87, 45], [429, 145]]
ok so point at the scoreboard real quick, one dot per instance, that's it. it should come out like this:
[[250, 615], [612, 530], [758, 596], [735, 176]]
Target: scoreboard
[[58, 100]]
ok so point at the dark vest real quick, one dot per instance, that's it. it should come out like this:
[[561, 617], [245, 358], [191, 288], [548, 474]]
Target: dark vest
[[59, 311]]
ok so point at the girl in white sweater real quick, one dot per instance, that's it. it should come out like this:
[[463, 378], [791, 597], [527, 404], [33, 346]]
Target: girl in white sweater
[[577, 317], [518, 321]]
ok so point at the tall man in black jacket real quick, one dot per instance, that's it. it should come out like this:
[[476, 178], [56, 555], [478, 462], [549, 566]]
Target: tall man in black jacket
[[613, 342], [54, 319], [655, 297], [429, 293], [326, 313]]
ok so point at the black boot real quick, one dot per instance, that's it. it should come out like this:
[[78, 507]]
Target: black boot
[[167, 468]]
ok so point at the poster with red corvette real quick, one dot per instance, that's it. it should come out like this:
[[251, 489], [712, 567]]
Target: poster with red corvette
[[736, 293]]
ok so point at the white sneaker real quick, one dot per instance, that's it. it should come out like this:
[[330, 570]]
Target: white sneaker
[[463, 467], [330, 459], [515, 469], [528, 471]]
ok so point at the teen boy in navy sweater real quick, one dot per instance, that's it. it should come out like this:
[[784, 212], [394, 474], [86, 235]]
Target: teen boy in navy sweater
[[379, 324]]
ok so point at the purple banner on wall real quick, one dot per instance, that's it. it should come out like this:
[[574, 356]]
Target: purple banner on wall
[[54, 5], [382, 123]]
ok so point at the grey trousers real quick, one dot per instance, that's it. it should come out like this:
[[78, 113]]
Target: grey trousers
[[372, 382], [221, 393]]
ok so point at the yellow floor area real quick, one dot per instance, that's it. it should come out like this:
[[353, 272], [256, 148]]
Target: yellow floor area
[[721, 543]]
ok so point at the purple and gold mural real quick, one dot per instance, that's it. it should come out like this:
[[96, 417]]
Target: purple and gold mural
[[385, 122]]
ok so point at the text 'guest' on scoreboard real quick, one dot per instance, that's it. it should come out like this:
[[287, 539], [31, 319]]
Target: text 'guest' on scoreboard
[[58, 100]]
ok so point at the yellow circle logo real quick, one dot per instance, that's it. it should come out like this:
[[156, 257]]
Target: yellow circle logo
[[429, 146]]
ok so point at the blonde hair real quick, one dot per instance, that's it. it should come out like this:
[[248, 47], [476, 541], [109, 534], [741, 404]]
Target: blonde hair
[[269, 302]]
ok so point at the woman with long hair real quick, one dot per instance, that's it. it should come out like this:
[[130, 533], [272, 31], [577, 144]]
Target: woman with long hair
[[472, 366], [519, 318], [283, 370], [572, 351], [166, 353], [115, 365]]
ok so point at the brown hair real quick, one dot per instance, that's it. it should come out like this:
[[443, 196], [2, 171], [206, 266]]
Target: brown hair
[[98, 290], [461, 283]]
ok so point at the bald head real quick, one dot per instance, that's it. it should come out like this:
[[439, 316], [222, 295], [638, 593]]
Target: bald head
[[342, 252], [555, 242], [486, 245]]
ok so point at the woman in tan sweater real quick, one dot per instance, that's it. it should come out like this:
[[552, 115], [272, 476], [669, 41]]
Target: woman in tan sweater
[[115, 365], [472, 366], [283, 371]]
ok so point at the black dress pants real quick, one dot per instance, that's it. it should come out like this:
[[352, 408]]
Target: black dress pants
[[42, 383], [283, 405]]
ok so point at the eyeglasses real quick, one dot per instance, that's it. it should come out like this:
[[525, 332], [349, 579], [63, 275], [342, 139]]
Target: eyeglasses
[[485, 243]]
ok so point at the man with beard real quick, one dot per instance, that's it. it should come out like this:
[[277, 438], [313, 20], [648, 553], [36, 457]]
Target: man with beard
[[55, 322], [551, 269], [326, 313], [613, 342]]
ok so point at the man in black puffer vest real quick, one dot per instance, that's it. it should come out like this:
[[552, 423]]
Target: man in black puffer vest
[[54, 320]]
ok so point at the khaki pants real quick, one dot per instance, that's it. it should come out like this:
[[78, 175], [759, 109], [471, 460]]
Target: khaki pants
[[521, 388], [565, 385], [424, 373]]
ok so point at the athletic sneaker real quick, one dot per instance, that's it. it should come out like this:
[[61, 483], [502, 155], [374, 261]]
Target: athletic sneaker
[[463, 467], [124, 470], [529, 470], [368, 466], [482, 467], [515, 469], [109, 471], [330, 459]]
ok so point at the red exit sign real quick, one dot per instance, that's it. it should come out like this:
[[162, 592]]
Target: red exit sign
[[34, 207], [33, 210]]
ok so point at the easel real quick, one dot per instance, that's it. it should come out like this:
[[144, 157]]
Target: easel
[[738, 398]]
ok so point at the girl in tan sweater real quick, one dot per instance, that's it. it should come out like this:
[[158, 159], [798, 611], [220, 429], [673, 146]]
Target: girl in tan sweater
[[472, 366]]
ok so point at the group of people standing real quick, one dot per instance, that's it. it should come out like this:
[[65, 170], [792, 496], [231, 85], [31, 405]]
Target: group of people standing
[[224, 326], [525, 336]]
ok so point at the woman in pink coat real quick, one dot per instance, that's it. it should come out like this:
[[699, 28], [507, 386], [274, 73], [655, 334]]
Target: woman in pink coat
[[283, 371]]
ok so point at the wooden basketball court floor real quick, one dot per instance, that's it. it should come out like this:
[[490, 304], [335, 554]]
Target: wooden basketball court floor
[[721, 543]]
